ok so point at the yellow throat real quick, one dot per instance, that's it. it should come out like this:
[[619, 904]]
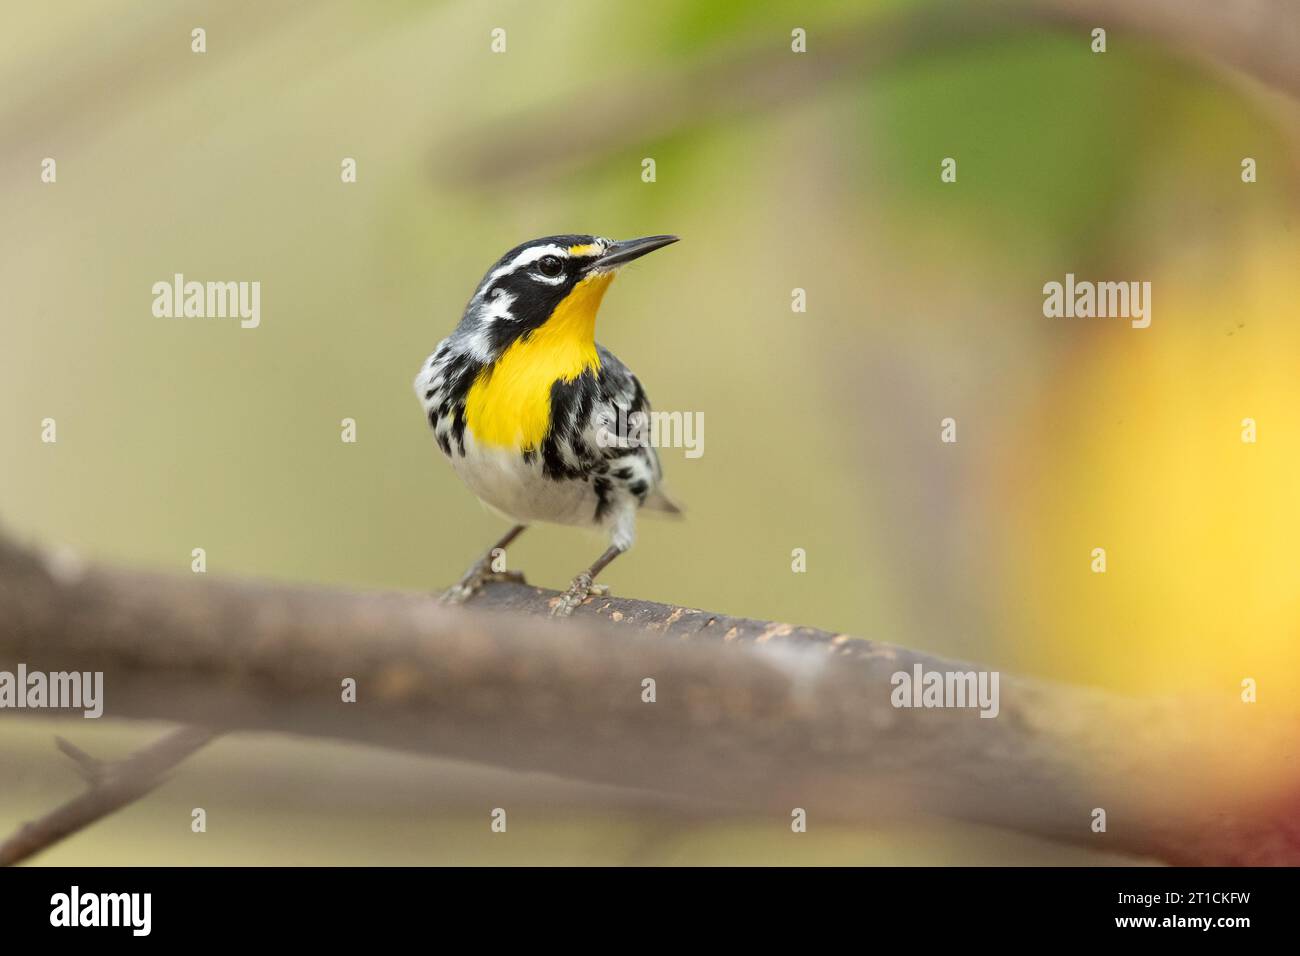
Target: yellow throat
[[509, 404]]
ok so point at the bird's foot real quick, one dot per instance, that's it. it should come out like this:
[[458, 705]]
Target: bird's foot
[[474, 579], [581, 589]]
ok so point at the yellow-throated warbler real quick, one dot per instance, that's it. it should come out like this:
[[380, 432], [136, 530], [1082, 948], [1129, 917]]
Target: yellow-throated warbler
[[533, 413]]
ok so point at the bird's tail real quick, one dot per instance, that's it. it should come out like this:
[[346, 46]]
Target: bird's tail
[[658, 500]]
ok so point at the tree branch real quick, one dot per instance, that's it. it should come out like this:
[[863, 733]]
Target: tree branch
[[1257, 37], [750, 716], [112, 786]]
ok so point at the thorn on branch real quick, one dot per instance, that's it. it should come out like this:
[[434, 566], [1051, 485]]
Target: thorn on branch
[[112, 785], [92, 769]]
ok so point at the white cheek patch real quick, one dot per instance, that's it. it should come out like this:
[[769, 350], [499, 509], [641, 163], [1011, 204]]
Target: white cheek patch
[[480, 346], [498, 307], [495, 309]]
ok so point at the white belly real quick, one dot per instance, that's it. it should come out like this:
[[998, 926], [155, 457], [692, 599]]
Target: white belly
[[503, 480]]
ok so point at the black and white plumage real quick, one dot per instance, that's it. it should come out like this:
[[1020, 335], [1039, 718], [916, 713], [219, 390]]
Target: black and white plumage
[[536, 418]]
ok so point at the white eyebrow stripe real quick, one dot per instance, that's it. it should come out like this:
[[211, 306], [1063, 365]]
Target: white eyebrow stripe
[[529, 256], [525, 258]]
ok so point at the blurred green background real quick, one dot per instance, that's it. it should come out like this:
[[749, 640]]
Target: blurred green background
[[779, 170]]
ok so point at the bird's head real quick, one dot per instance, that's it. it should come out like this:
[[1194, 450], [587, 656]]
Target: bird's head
[[557, 278]]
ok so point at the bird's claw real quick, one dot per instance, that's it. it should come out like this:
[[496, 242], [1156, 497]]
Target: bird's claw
[[581, 589], [473, 582]]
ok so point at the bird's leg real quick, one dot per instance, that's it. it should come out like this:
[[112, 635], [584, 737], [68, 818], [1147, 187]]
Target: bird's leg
[[481, 571], [584, 585]]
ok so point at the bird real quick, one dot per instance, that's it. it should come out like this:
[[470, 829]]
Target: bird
[[541, 422]]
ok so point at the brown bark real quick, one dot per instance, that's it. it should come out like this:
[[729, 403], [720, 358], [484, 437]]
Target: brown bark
[[751, 716]]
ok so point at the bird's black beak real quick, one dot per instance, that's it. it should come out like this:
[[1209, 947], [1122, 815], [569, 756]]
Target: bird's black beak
[[625, 250]]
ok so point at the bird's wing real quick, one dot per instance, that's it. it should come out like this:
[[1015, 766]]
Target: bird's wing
[[620, 397]]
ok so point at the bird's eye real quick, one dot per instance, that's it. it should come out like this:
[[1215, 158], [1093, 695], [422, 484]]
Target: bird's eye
[[550, 266]]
